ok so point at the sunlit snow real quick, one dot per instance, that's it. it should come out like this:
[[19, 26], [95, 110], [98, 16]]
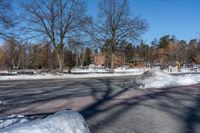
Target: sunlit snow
[[62, 122], [156, 78]]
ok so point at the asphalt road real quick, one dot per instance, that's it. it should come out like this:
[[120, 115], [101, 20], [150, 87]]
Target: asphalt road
[[109, 105]]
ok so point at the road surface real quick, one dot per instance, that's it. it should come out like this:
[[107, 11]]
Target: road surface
[[109, 105]]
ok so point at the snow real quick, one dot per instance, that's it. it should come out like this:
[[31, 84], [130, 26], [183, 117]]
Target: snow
[[64, 76], [13, 119], [106, 70], [4, 71], [79, 73], [130, 70], [158, 79], [95, 72], [90, 70], [62, 122], [3, 102], [183, 71]]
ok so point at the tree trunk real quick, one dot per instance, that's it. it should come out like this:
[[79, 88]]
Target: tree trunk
[[60, 63], [112, 62], [69, 70], [77, 60]]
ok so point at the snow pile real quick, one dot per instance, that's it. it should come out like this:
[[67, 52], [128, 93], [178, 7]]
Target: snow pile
[[158, 79], [61, 122]]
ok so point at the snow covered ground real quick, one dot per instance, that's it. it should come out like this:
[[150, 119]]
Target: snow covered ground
[[11, 120], [91, 72], [158, 79], [64, 76], [62, 122], [130, 70], [78, 73], [183, 71], [106, 70]]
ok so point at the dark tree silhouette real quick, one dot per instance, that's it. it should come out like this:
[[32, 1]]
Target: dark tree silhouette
[[6, 19]]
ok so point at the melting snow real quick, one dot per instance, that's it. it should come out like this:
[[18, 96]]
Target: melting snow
[[13, 119], [158, 79], [61, 122]]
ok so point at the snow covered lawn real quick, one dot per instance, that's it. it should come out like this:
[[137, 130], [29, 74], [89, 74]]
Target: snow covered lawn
[[158, 79], [79, 73], [106, 70], [64, 76], [62, 122], [90, 70]]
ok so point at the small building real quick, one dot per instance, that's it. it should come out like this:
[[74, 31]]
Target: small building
[[99, 59], [137, 62]]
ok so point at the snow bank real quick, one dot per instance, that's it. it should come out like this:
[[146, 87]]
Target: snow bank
[[158, 79], [61, 122], [93, 73]]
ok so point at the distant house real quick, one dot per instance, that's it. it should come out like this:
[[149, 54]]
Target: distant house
[[99, 59], [136, 62]]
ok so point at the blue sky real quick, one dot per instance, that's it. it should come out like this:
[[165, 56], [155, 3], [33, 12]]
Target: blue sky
[[174, 17]]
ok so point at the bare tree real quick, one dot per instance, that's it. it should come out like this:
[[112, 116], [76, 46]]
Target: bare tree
[[56, 19], [2, 58], [79, 49], [78, 45], [6, 19], [180, 51], [116, 23], [14, 53]]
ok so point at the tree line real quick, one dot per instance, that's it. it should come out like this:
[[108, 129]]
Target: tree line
[[164, 51], [15, 55]]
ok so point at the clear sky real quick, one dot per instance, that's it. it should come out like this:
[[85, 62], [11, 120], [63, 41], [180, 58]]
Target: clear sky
[[174, 17]]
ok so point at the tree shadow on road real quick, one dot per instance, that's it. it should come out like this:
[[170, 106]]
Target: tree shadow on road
[[181, 103], [111, 101]]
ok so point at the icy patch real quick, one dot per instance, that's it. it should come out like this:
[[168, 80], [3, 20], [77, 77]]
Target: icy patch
[[158, 79], [61, 122]]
